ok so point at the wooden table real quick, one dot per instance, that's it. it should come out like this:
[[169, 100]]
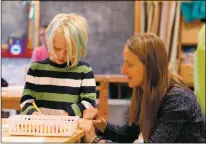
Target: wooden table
[[10, 102], [11, 138], [113, 78], [10, 97]]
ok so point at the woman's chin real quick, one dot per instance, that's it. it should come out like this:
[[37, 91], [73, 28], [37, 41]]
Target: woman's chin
[[131, 85]]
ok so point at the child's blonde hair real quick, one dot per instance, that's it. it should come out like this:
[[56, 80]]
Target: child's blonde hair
[[74, 27]]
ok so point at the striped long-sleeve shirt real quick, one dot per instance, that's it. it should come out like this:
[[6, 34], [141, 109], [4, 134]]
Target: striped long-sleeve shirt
[[57, 89]]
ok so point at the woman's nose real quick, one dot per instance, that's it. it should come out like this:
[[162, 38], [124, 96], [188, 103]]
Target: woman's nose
[[123, 70]]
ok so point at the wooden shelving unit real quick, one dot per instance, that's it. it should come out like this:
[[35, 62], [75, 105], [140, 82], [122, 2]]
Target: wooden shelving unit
[[137, 15], [188, 37]]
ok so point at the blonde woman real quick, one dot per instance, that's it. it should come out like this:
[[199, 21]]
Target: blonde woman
[[162, 108], [61, 84]]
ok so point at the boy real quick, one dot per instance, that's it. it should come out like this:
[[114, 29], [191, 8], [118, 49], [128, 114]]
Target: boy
[[61, 84]]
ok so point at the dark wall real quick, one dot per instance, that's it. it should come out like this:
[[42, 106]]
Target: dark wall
[[14, 20]]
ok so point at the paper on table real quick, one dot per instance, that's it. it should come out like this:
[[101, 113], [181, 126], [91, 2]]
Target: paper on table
[[5, 126], [3, 93], [13, 90], [13, 87], [23, 139]]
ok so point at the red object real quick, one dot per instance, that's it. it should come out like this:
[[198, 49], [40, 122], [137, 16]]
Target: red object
[[25, 55], [27, 52]]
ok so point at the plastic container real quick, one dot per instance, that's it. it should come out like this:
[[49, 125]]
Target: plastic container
[[42, 125]]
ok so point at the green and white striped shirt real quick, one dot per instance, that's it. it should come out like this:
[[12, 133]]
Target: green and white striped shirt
[[57, 89]]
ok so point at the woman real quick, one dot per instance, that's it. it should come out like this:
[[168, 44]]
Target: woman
[[163, 109]]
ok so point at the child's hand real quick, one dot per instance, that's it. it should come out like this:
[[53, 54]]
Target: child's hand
[[36, 113], [90, 113], [98, 122]]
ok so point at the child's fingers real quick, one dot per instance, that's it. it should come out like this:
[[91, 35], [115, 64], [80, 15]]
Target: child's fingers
[[90, 113]]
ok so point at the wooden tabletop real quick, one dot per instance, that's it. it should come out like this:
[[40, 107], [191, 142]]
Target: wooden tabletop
[[11, 138], [113, 78], [12, 102], [10, 97]]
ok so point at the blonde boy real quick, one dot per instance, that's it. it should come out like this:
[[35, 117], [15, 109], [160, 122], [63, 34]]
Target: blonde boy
[[61, 84]]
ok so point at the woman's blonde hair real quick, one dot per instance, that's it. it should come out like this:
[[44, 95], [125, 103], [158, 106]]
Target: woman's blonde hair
[[75, 28], [151, 51]]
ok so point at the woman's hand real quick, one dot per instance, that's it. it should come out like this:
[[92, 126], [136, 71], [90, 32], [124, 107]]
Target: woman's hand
[[88, 127], [98, 122]]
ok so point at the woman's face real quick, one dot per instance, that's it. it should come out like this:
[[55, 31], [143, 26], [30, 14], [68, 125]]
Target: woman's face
[[60, 48], [132, 68]]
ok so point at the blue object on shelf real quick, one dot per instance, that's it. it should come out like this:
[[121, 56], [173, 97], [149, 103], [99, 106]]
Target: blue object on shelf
[[193, 10], [17, 46]]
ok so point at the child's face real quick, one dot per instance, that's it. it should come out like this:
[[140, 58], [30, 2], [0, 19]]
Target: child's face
[[60, 48]]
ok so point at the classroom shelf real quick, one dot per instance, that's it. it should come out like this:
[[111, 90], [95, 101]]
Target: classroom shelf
[[190, 32], [188, 37], [187, 73]]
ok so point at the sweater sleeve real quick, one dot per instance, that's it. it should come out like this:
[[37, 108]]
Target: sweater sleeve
[[175, 112], [87, 94], [28, 95], [121, 134]]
